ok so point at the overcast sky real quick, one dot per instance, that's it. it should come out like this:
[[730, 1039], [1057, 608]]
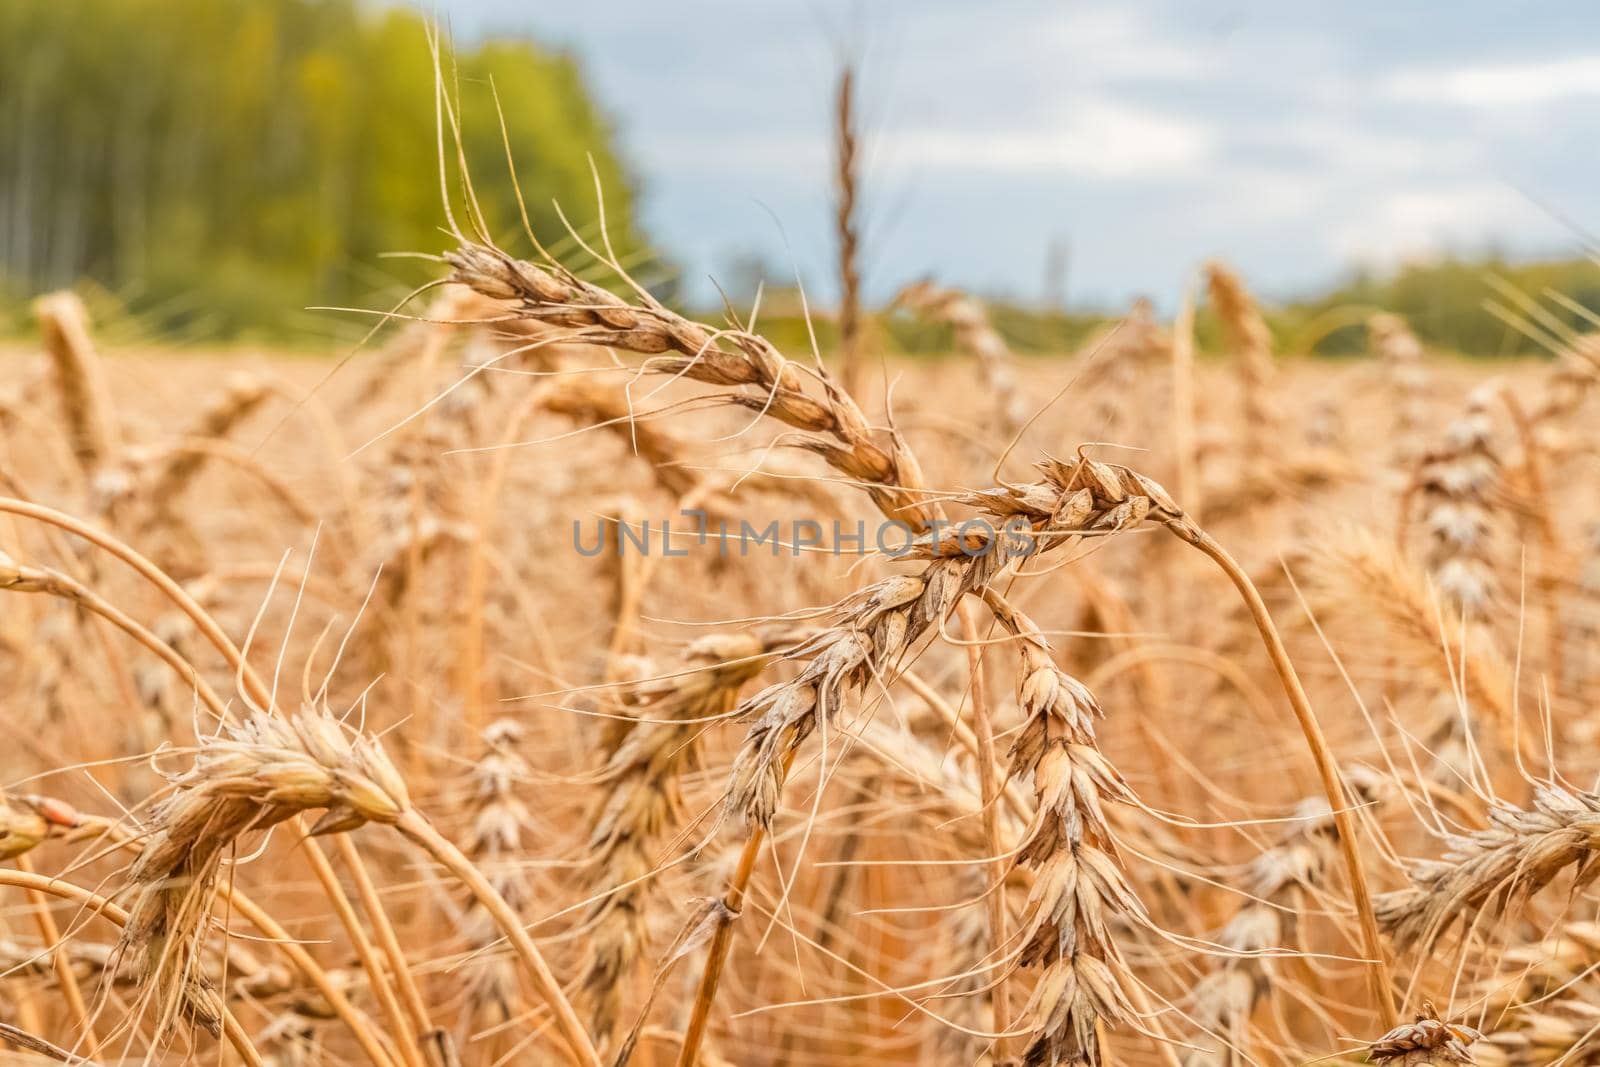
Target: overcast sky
[[1295, 139]]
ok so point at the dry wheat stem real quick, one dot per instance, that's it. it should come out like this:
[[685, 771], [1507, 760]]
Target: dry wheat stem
[[50, 933], [25, 823], [347, 1012], [1327, 768], [847, 231], [721, 940], [425, 1033], [990, 788], [377, 980], [419, 830]]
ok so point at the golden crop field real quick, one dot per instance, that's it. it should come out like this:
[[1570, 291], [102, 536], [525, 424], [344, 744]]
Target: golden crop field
[[564, 680]]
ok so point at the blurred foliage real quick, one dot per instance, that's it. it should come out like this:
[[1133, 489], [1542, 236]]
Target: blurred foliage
[[1445, 302], [220, 164]]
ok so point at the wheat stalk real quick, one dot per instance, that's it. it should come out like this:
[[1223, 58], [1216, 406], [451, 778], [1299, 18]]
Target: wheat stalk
[[975, 336], [1401, 354], [1251, 343], [732, 358], [1455, 481], [641, 775], [847, 180]]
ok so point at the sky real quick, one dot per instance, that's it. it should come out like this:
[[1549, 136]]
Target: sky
[[1296, 139]]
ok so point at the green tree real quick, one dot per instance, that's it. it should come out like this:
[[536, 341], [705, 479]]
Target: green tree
[[219, 164]]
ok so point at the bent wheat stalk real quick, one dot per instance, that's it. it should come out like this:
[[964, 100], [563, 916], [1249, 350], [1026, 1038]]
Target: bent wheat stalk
[[879, 624], [731, 358]]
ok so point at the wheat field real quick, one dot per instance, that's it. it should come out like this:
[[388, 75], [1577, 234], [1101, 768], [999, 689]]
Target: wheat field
[[1154, 706]]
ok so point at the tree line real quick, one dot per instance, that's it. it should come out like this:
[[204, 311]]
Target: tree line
[[214, 165]]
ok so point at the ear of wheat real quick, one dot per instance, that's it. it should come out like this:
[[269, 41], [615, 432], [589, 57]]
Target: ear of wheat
[[1455, 482], [1251, 344], [1425, 1042], [258, 774], [1401, 354], [1079, 887], [977, 337], [731, 358], [1486, 872], [641, 774]]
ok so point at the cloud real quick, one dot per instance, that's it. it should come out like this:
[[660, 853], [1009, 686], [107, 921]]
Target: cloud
[[1098, 138], [1113, 44], [1499, 84], [1093, 138], [763, 154]]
